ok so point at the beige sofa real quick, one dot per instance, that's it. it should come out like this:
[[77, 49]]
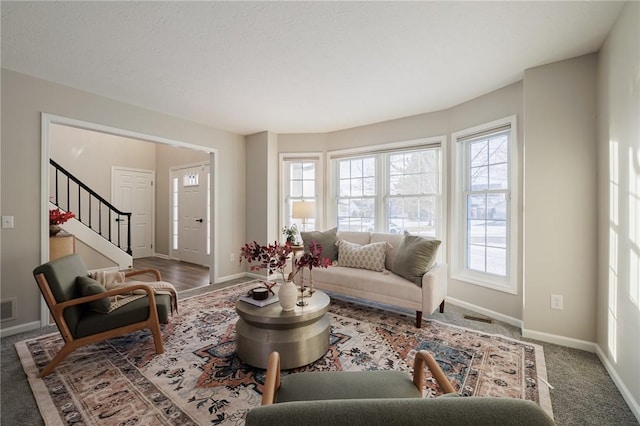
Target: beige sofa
[[385, 287]]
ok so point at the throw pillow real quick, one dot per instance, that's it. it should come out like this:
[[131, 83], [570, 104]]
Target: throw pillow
[[326, 239], [370, 256], [88, 286], [416, 255]]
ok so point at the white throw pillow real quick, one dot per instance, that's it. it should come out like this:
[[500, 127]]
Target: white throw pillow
[[370, 256]]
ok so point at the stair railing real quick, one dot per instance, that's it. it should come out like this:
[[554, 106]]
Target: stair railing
[[89, 207]]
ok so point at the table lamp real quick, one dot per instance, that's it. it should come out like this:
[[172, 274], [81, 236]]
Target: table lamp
[[303, 210]]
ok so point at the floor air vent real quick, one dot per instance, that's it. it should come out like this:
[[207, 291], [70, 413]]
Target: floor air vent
[[480, 319], [8, 309]]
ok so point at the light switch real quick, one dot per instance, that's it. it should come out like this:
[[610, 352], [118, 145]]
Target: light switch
[[7, 221]]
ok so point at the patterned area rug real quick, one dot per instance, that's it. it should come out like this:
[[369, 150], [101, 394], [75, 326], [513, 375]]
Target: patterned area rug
[[199, 379]]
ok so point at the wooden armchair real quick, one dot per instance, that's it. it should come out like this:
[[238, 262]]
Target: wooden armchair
[[329, 385], [78, 321], [381, 398]]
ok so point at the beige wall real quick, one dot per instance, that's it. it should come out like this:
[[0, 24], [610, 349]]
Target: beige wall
[[262, 187], [302, 142], [560, 234], [24, 99], [619, 233], [90, 155]]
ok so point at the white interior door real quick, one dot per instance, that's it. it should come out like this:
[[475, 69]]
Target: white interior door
[[133, 192], [193, 229]]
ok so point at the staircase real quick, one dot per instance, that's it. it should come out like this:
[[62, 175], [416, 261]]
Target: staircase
[[98, 223]]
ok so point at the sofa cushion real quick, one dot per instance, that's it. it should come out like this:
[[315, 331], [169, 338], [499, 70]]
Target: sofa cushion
[[394, 241], [416, 255], [370, 256], [361, 238], [88, 286], [326, 239]]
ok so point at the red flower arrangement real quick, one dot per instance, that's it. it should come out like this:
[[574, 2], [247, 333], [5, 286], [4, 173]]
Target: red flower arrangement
[[272, 257], [58, 217], [312, 259]]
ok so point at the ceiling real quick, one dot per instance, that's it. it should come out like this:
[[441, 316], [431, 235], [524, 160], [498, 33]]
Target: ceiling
[[295, 67]]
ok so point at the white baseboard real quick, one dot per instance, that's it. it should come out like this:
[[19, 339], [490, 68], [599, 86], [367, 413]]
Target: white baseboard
[[162, 256], [231, 277], [10, 331], [626, 394], [495, 315], [569, 342]]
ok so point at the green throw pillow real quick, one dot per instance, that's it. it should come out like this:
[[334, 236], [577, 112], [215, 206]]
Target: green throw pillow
[[326, 239], [88, 286], [416, 255]]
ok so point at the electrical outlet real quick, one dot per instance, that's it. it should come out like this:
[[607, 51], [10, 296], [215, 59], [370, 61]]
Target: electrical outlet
[[556, 301], [7, 221], [232, 257]]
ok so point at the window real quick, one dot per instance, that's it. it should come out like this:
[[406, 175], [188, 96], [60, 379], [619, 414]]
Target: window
[[413, 191], [174, 207], [356, 194], [485, 183], [394, 188], [301, 177]]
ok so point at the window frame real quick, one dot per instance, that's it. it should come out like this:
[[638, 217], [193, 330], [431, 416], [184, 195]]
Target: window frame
[[459, 269], [382, 178], [284, 193]]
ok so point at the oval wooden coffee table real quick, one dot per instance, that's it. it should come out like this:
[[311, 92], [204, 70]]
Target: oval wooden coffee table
[[300, 336]]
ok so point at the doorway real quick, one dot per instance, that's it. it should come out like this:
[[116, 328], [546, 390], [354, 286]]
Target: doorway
[[50, 120], [190, 213], [132, 191]]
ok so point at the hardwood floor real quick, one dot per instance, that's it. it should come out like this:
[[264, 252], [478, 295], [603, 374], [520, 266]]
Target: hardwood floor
[[184, 276]]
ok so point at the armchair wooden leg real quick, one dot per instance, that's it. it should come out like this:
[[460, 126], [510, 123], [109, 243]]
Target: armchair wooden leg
[[442, 307], [157, 337], [60, 356], [272, 379], [418, 319], [423, 357]]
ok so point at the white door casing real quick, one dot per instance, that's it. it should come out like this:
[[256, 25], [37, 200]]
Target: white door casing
[[133, 191]]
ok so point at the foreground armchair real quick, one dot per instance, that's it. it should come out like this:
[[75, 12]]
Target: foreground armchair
[[371, 398], [81, 308]]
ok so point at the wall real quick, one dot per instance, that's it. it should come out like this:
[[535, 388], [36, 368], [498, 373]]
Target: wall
[[90, 155], [262, 188], [618, 308], [23, 100], [560, 236]]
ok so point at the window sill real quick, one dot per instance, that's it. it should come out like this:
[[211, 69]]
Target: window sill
[[483, 280]]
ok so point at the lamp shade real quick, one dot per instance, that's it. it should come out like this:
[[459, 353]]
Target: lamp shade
[[303, 210]]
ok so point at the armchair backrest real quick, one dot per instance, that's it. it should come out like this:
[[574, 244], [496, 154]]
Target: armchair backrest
[[60, 282]]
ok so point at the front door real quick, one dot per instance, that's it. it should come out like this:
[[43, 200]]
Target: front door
[[133, 192]]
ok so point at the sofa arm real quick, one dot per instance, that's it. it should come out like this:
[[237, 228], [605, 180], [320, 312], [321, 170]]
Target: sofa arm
[[434, 287]]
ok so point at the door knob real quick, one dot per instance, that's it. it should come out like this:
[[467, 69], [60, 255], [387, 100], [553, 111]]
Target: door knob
[[199, 220]]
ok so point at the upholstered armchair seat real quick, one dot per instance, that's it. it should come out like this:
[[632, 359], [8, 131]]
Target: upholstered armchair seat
[[346, 385], [136, 311]]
